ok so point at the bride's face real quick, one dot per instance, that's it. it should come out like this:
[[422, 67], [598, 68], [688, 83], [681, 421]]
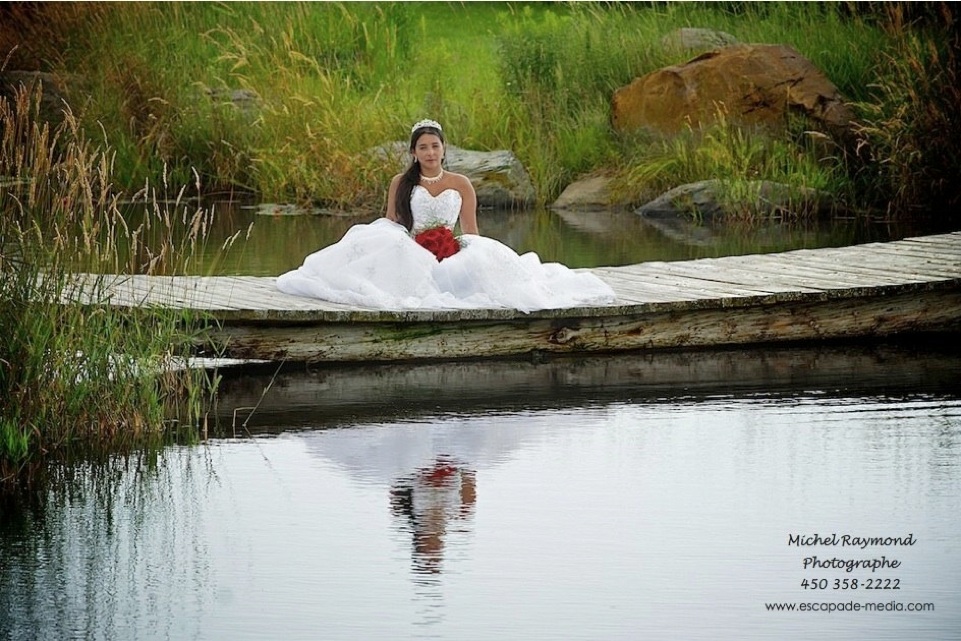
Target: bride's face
[[429, 152]]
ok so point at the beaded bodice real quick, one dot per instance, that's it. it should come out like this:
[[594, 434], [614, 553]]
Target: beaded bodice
[[433, 211]]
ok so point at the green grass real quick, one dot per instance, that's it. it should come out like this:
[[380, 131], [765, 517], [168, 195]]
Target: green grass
[[74, 372], [909, 130], [334, 80]]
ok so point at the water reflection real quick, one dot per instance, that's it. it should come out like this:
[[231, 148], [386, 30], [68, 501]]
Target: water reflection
[[319, 396], [85, 552], [429, 502], [568, 500], [429, 471], [271, 244]]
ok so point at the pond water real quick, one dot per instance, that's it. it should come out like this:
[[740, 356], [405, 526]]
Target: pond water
[[271, 241], [657, 496]]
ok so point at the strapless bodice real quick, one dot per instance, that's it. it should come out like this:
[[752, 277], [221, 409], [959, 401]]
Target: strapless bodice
[[433, 211]]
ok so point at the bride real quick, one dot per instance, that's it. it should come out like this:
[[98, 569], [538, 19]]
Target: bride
[[410, 258]]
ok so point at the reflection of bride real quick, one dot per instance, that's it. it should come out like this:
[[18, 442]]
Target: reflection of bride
[[428, 500], [429, 471], [392, 264]]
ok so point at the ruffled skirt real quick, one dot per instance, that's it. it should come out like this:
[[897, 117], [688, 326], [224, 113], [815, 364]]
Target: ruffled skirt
[[379, 266]]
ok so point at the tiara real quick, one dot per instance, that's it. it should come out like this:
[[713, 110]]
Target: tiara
[[426, 123]]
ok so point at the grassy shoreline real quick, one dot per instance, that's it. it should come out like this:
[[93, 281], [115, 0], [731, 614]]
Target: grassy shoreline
[[80, 374], [173, 100], [321, 83]]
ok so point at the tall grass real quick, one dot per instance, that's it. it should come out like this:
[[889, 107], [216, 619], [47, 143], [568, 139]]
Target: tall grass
[[327, 82], [165, 73], [739, 158], [573, 60], [910, 125], [72, 370]]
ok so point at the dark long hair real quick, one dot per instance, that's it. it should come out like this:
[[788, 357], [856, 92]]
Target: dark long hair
[[411, 177]]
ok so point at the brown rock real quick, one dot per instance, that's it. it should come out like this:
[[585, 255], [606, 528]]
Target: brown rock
[[750, 84], [588, 193]]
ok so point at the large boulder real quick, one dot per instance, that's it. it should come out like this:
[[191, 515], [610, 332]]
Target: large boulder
[[592, 192], [750, 84], [498, 177]]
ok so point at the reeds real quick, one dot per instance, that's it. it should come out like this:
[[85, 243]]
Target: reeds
[[73, 371], [910, 125]]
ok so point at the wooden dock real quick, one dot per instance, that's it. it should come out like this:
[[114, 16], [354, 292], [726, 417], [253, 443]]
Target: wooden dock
[[870, 290]]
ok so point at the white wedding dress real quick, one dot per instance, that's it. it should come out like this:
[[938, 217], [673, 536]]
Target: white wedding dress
[[380, 266]]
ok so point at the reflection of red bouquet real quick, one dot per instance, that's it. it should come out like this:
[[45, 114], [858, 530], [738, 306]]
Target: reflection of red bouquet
[[439, 241]]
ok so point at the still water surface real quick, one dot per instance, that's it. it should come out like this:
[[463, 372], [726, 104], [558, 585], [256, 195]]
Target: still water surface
[[269, 241], [649, 497]]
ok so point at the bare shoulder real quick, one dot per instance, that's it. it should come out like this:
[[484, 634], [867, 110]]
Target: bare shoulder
[[460, 181]]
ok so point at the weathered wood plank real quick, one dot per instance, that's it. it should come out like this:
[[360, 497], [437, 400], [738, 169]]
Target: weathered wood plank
[[871, 263], [209, 293], [626, 296], [672, 287], [906, 254], [664, 274], [800, 281], [629, 290], [738, 282], [941, 252], [823, 277], [809, 318], [942, 241], [908, 251]]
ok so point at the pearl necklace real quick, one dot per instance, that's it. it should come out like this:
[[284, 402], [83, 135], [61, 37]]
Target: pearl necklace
[[432, 179]]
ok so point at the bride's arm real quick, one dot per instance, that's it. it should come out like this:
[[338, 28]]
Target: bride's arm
[[468, 207], [392, 199]]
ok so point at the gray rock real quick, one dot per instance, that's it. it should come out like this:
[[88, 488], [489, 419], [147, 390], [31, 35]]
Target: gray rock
[[696, 39], [709, 199], [499, 178], [53, 92], [246, 101], [693, 200]]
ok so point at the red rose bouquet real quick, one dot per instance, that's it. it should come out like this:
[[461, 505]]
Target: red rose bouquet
[[439, 241]]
